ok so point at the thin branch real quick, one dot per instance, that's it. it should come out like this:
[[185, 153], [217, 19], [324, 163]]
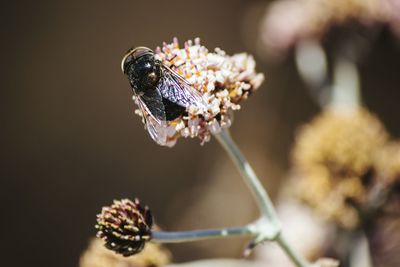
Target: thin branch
[[247, 172], [268, 226], [195, 235]]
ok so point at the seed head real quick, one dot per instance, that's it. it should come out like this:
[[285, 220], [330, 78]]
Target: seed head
[[125, 226]]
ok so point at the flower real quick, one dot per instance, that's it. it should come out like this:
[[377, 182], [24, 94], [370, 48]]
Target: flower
[[289, 21], [125, 226], [223, 81], [333, 159], [96, 255]]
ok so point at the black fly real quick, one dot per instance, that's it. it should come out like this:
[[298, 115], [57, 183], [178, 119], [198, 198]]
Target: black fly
[[161, 93]]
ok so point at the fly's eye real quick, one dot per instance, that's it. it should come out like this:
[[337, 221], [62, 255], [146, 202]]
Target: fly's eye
[[134, 54], [141, 51], [127, 60]]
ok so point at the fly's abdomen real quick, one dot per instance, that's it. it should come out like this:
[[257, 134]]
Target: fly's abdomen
[[172, 110]]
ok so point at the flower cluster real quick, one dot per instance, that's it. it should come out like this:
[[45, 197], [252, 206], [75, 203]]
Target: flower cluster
[[224, 82], [338, 159], [96, 255], [288, 21], [125, 226]]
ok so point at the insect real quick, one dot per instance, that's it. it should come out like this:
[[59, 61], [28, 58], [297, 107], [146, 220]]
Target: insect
[[161, 94]]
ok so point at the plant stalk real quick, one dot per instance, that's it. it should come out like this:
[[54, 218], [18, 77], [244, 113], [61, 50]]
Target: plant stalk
[[297, 259], [267, 227], [269, 224], [195, 235], [263, 201]]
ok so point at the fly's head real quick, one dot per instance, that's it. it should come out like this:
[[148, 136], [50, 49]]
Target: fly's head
[[142, 69]]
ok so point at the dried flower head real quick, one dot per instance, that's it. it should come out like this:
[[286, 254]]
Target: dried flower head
[[125, 226], [223, 82], [288, 21], [333, 157], [96, 255]]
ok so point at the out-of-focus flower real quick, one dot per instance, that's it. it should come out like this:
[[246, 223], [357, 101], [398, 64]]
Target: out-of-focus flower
[[333, 158], [153, 255], [394, 7], [288, 21], [125, 226], [223, 81]]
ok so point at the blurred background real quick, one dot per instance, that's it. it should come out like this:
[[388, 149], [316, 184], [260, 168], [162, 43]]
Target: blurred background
[[71, 141]]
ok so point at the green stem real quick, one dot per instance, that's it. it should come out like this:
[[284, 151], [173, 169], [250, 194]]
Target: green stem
[[250, 177], [290, 252], [188, 236], [346, 85], [268, 226]]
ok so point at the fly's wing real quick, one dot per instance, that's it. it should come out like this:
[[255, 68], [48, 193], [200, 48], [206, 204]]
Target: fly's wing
[[176, 89], [154, 116]]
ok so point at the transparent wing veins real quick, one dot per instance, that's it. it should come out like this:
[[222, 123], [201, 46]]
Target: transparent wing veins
[[178, 90], [155, 127]]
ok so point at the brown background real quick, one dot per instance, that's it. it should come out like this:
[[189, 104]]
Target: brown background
[[71, 142]]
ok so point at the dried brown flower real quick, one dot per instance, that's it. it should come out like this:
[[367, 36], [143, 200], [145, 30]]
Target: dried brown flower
[[125, 226], [333, 158], [96, 255]]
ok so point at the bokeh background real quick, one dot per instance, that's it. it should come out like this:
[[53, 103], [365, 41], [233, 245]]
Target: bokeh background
[[71, 142]]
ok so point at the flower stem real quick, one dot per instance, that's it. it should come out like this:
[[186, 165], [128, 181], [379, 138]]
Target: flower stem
[[268, 226], [250, 177], [346, 85], [195, 235], [292, 254], [314, 75]]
